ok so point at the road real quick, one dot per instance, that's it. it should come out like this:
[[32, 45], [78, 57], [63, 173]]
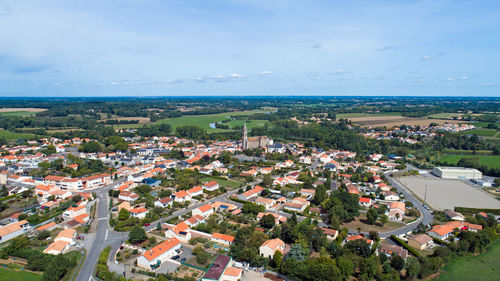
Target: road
[[426, 218], [104, 236]]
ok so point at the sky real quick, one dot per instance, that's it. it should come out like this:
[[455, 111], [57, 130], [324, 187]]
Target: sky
[[249, 47]]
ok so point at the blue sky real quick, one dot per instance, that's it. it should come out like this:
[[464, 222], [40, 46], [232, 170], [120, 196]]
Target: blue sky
[[249, 47]]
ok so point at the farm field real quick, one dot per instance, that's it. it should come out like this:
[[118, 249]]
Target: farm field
[[480, 132], [204, 121], [447, 193], [13, 136], [468, 268], [395, 120], [358, 115], [490, 161], [12, 275]]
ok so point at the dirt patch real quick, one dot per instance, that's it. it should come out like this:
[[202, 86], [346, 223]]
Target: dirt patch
[[28, 109], [394, 121]]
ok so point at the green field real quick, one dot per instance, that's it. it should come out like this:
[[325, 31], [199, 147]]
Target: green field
[[482, 267], [480, 132], [250, 123], [359, 115], [491, 161], [14, 136], [17, 113], [445, 115], [204, 121], [12, 275]]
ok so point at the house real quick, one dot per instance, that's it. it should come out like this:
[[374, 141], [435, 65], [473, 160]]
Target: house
[[269, 247], [420, 241], [57, 247], [365, 201], [251, 193], [194, 220], [295, 207], [211, 186], [446, 230], [96, 181], [72, 212], [232, 274], [309, 193], [390, 196], [181, 196], [452, 215], [222, 239], [179, 231], [331, 234], [195, 191], [277, 218], [154, 257], [67, 235], [397, 211], [204, 211], [353, 189], [13, 230], [390, 250], [164, 202], [358, 237], [139, 213], [128, 196], [217, 269], [223, 206], [266, 202]]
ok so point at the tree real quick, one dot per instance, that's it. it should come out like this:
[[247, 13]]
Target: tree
[[158, 226], [44, 234], [124, 214], [267, 181], [90, 147], [137, 235], [346, 267], [267, 221], [383, 219], [277, 259], [359, 247], [397, 262], [296, 252], [412, 268], [57, 268], [320, 194], [372, 215]]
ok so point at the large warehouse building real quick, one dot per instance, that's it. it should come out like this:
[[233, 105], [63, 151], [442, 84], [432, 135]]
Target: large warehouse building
[[457, 173]]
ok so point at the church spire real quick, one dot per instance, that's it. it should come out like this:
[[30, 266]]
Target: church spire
[[245, 136]]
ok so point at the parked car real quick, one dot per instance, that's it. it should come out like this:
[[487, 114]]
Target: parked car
[[147, 224], [80, 237], [183, 259], [175, 257]]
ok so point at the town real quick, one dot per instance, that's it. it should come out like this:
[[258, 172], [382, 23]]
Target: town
[[166, 207]]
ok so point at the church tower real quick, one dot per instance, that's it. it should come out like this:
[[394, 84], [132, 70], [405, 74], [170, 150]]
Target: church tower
[[245, 137]]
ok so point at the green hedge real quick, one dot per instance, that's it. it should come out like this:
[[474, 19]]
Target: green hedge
[[477, 210], [405, 245]]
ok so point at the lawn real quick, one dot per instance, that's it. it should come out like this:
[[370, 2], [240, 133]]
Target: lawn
[[491, 161], [480, 132], [12, 275], [445, 115], [14, 136], [482, 267], [362, 223], [224, 183], [204, 121]]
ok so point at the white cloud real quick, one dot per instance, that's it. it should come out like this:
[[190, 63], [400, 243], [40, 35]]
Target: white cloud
[[115, 83], [489, 84], [464, 78], [266, 72], [425, 57], [450, 79], [236, 75]]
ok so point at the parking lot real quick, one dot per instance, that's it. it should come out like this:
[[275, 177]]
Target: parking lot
[[448, 194]]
